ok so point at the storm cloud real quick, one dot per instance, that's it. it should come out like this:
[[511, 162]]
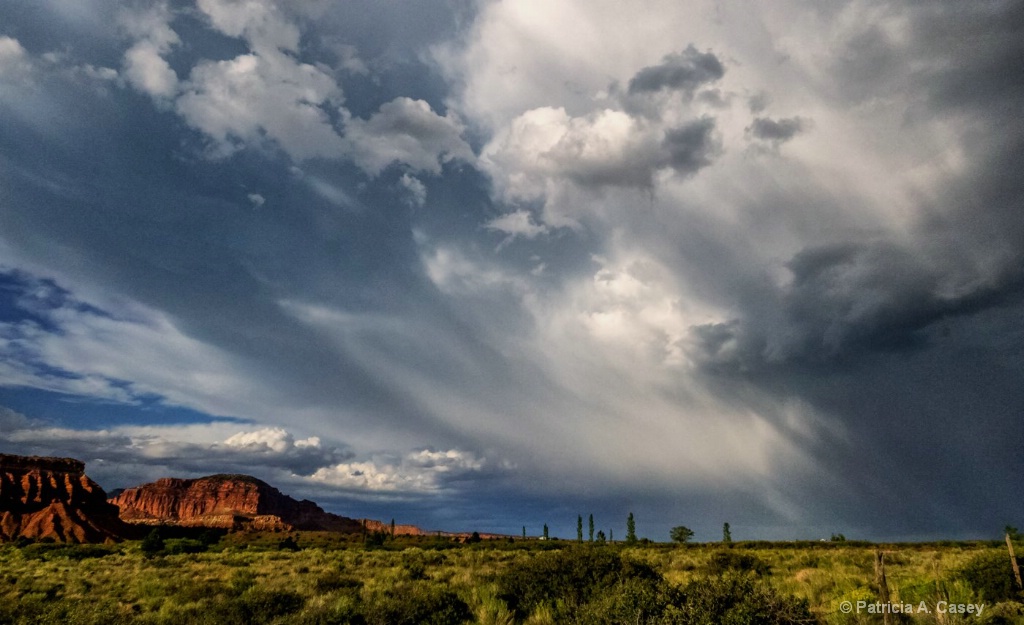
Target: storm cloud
[[685, 71], [491, 264]]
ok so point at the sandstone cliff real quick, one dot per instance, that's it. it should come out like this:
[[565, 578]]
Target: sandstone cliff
[[52, 498], [373, 525], [237, 502]]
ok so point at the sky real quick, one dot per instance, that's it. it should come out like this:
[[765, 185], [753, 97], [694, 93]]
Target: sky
[[488, 265]]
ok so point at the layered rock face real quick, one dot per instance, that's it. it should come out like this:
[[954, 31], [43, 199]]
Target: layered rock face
[[237, 502], [372, 525], [52, 498]]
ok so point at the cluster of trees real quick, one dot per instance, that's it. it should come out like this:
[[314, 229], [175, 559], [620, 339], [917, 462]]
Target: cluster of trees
[[680, 534]]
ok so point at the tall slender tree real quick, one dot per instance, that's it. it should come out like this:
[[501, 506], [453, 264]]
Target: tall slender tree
[[591, 527], [630, 529], [545, 531], [726, 534], [524, 532], [579, 528]]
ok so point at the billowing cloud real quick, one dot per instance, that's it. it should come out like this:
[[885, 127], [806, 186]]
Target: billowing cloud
[[416, 190], [545, 148], [406, 131], [684, 71], [145, 65], [517, 224], [152, 450], [706, 260], [690, 147], [149, 72], [268, 97], [254, 97], [262, 23], [417, 472], [272, 439], [128, 455], [776, 129], [14, 61]]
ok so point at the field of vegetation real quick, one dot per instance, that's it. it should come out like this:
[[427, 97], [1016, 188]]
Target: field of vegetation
[[308, 578]]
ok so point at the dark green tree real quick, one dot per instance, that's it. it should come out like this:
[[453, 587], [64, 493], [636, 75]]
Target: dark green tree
[[152, 544], [545, 531], [591, 528], [681, 534], [392, 528], [579, 528], [288, 544], [726, 534], [524, 532], [600, 537], [630, 529]]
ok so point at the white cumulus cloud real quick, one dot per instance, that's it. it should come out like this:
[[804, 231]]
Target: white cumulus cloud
[[275, 439], [144, 64], [421, 471], [406, 131]]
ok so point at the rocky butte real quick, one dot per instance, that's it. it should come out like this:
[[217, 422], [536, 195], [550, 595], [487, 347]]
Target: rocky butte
[[235, 502], [52, 498]]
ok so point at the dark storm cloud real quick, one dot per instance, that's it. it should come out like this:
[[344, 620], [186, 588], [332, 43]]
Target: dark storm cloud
[[776, 131], [362, 311], [692, 146], [683, 71], [847, 300], [910, 342]]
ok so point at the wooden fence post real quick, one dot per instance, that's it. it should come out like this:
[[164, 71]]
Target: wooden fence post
[[883, 587], [1013, 561]]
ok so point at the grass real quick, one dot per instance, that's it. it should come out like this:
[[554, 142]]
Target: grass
[[335, 579]]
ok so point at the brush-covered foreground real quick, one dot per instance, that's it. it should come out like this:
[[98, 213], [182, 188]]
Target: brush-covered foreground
[[317, 579]]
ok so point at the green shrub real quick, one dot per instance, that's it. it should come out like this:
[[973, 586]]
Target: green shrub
[[210, 537], [241, 581], [334, 580], [175, 546], [49, 551], [724, 561], [1008, 613], [570, 577], [737, 600], [637, 600], [417, 603], [263, 606], [991, 576], [288, 544]]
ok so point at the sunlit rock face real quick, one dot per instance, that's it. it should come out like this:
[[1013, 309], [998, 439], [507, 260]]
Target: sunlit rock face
[[236, 502], [52, 498]]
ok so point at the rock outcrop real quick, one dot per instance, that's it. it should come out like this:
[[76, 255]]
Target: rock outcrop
[[52, 498], [373, 525], [236, 502]]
